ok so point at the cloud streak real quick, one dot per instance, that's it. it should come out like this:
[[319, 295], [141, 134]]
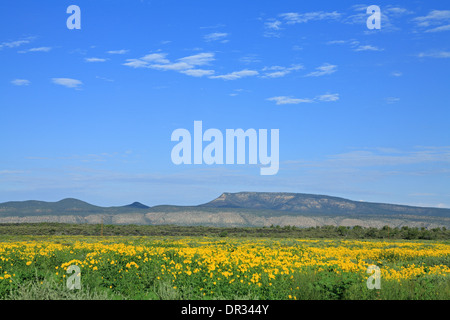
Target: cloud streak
[[67, 82], [38, 49], [278, 71], [282, 100], [236, 75], [187, 65], [21, 82], [323, 70], [216, 36]]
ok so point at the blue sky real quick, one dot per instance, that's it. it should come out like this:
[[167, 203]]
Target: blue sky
[[88, 113]]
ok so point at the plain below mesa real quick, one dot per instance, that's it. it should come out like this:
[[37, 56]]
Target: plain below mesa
[[234, 151]]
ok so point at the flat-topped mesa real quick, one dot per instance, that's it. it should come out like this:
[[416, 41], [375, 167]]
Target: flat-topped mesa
[[316, 204]]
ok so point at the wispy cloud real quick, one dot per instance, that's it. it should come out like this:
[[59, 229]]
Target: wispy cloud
[[328, 97], [439, 29], [434, 17], [216, 36], [38, 49], [355, 45], [273, 24], [323, 70], [435, 54], [21, 82], [187, 65], [155, 57], [391, 100], [389, 14], [367, 48], [434, 21], [281, 100], [197, 72], [121, 51], [396, 74], [94, 59], [16, 43], [67, 82], [236, 75], [294, 17], [272, 28], [198, 59], [278, 71]]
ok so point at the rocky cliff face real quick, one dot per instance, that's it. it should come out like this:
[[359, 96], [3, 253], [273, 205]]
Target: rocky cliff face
[[236, 219]]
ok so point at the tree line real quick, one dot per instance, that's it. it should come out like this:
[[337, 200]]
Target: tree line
[[320, 232]]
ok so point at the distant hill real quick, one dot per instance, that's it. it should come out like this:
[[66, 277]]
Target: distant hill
[[317, 204], [240, 209], [63, 207], [137, 205]]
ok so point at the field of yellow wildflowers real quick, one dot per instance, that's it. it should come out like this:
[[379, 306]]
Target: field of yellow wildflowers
[[35, 267]]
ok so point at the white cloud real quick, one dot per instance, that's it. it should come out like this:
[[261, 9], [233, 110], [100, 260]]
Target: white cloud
[[236, 75], [388, 15], [280, 100], [329, 97], [396, 11], [67, 82], [14, 44], [39, 49], [176, 66], [155, 57], [293, 17], [273, 24], [396, 74], [439, 29], [391, 100], [278, 71], [20, 82], [337, 42], [186, 65], [437, 54], [215, 36], [198, 59], [122, 51], [433, 17], [324, 69], [136, 63], [368, 48], [94, 60], [198, 72]]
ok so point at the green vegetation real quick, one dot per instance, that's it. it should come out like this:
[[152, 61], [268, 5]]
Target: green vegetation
[[197, 268], [325, 232]]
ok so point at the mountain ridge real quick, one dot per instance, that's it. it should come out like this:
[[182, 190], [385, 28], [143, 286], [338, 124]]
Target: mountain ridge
[[312, 203], [233, 209]]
